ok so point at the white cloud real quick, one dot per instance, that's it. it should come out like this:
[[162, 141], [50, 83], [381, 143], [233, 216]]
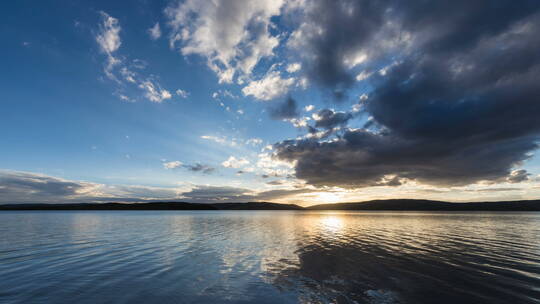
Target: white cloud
[[233, 162], [254, 141], [363, 76], [303, 83], [221, 140], [299, 122], [155, 31], [294, 67], [358, 106], [182, 93], [272, 166], [124, 97], [385, 69], [232, 35], [108, 39], [128, 75], [354, 59], [172, 165], [154, 92], [269, 87], [223, 93], [309, 108]]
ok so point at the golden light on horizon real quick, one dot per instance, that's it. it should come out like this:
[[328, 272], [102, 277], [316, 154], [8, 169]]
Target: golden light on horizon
[[327, 197]]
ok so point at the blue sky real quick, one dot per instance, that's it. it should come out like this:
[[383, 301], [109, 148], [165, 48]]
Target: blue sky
[[244, 100]]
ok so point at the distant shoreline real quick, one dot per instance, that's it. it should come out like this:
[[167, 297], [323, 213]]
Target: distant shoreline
[[375, 205]]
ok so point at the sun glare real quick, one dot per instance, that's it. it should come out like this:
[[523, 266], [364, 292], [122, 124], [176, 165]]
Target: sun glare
[[332, 223], [327, 197]]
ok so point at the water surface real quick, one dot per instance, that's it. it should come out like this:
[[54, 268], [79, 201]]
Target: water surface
[[269, 257]]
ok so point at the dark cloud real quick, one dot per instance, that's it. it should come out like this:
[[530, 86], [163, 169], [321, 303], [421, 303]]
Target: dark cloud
[[213, 193], [328, 119], [332, 33], [393, 182], [216, 194], [495, 190], [25, 184], [25, 187], [361, 158], [459, 104], [518, 176], [22, 187], [275, 183], [286, 110], [198, 167], [347, 26]]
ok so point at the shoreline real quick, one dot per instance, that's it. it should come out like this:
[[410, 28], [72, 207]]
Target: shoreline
[[375, 205]]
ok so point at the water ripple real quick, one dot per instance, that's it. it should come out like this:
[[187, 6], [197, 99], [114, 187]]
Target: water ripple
[[269, 257]]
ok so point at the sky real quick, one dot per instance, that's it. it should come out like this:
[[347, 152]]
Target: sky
[[302, 102]]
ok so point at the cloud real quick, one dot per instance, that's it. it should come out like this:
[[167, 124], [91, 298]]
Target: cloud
[[328, 119], [29, 184], [25, 187], [447, 104], [232, 35], [309, 108], [361, 158], [155, 31], [223, 194], [275, 183], [108, 39], [223, 140], [293, 67], [254, 141], [214, 193], [154, 92], [233, 162], [172, 164], [269, 87], [285, 110], [223, 93], [299, 122], [182, 93], [518, 176], [198, 167]]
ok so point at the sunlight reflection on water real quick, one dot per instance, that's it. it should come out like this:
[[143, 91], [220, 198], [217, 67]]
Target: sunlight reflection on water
[[269, 257]]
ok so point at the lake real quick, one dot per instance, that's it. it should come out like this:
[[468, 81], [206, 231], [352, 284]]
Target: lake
[[269, 257]]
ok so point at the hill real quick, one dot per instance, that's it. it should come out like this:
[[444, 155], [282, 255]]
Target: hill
[[154, 206], [111, 206], [257, 206], [427, 205], [380, 205]]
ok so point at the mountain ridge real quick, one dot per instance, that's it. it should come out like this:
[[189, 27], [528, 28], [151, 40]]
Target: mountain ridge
[[374, 205]]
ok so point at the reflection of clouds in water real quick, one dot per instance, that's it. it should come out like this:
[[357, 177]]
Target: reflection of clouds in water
[[272, 257], [382, 297], [404, 258]]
